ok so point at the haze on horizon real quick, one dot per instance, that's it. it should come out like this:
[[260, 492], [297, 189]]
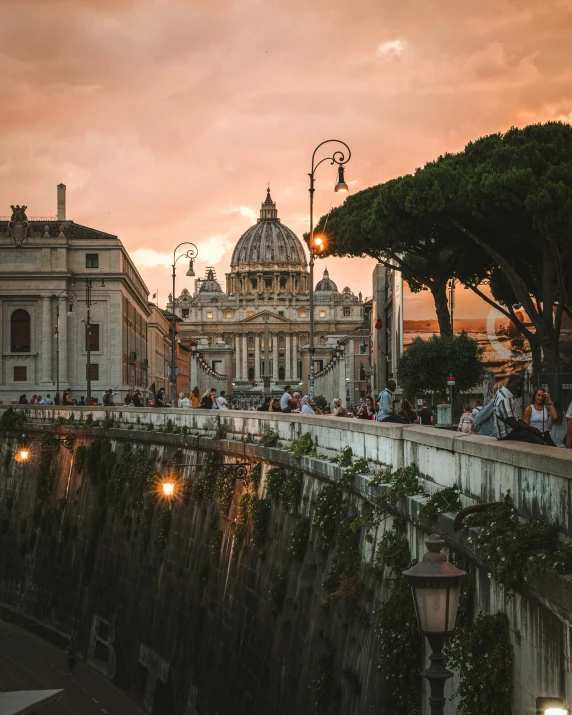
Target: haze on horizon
[[166, 119]]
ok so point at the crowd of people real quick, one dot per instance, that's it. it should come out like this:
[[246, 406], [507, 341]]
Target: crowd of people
[[544, 420]]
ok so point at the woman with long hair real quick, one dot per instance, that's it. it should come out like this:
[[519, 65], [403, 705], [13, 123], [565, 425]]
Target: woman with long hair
[[408, 413], [540, 413], [196, 398]]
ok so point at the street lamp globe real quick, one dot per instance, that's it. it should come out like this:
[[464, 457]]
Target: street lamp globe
[[70, 312], [436, 586], [341, 186], [191, 271]]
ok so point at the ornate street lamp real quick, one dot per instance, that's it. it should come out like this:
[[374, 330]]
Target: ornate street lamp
[[191, 255], [551, 706], [436, 586], [316, 243]]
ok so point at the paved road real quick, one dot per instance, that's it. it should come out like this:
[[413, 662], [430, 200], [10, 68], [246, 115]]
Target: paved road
[[28, 662]]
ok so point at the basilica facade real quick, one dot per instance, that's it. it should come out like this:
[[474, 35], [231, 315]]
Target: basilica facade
[[255, 331]]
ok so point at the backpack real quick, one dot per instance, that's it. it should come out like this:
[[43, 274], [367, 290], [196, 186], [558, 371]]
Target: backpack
[[483, 421]]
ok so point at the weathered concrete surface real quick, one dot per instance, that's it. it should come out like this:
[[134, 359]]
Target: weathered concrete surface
[[192, 631]]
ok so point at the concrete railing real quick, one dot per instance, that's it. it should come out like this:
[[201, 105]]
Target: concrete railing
[[539, 478]]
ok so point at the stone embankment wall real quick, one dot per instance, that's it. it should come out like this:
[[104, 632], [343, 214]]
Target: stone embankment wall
[[223, 603]]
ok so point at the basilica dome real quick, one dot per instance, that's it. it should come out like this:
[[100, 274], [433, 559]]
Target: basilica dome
[[326, 284], [269, 242], [210, 283]]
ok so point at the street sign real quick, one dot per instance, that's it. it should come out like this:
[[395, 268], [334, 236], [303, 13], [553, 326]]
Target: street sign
[[450, 380]]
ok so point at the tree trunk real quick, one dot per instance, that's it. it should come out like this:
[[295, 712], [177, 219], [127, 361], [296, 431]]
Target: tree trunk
[[536, 351], [439, 293]]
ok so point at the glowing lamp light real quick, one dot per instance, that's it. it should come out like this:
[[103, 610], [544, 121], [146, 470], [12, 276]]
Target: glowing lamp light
[[168, 489], [23, 454], [551, 706]]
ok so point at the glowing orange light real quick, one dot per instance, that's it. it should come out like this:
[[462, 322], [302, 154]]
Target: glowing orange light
[[23, 454], [168, 489]]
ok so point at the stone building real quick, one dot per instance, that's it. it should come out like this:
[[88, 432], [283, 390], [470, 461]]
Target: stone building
[[256, 331], [49, 268]]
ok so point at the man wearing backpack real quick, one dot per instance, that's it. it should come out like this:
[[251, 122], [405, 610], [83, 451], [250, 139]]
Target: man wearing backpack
[[208, 398]]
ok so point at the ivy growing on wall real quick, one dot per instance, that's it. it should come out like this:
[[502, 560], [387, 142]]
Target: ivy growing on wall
[[270, 438], [12, 419], [303, 446], [298, 540], [482, 653], [80, 456], [516, 550], [165, 517], [443, 501], [396, 629], [284, 487], [45, 477], [205, 484]]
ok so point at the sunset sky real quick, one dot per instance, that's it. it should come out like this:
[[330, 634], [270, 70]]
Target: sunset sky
[[167, 118]]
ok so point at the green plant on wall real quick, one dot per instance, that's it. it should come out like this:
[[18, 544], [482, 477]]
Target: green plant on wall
[[80, 457], [303, 446], [45, 477], [326, 688], [259, 514], [402, 483], [284, 487], [270, 438], [396, 629], [298, 540], [241, 527], [225, 488], [205, 484], [12, 419], [516, 550], [483, 656], [443, 501]]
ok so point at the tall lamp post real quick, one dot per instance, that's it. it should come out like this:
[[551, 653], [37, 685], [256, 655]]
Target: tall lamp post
[[190, 254], [88, 303], [316, 243], [436, 586], [62, 297]]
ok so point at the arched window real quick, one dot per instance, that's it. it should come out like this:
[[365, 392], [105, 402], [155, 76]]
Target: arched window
[[20, 331], [281, 373]]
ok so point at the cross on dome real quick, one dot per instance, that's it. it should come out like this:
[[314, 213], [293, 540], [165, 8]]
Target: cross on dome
[[268, 210]]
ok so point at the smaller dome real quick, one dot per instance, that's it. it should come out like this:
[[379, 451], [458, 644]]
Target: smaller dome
[[326, 284], [210, 283]]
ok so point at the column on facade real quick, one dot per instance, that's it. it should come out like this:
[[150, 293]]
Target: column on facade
[[237, 360], [63, 348], [46, 352], [288, 358], [275, 356], [294, 368], [257, 357], [245, 357]]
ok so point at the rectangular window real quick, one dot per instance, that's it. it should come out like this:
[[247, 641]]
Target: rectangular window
[[92, 260], [322, 314], [268, 283], [303, 314], [209, 315], [93, 371], [228, 314], [281, 313], [347, 312], [20, 373], [185, 312], [93, 337], [254, 283], [283, 283]]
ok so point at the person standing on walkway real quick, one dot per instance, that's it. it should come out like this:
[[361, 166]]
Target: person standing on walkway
[[222, 401], [71, 654], [196, 398], [466, 421]]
